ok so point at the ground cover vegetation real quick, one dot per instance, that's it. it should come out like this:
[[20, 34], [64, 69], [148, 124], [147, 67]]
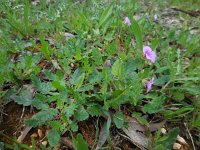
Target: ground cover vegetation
[[95, 71]]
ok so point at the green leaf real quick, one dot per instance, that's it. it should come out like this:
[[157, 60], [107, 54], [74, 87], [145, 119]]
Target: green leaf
[[138, 34], [117, 68], [154, 43], [79, 81], [44, 87], [39, 104], [178, 96], [81, 115], [80, 143], [60, 85], [69, 110], [106, 14], [24, 98], [42, 117], [178, 113], [74, 77], [53, 137], [161, 80], [119, 119], [94, 110], [74, 127], [46, 50], [168, 140], [153, 106], [140, 119]]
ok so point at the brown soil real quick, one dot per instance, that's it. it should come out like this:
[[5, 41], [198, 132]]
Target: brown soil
[[11, 125]]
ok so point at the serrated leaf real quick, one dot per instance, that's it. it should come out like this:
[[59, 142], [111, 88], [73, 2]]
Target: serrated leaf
[[55, 124], [53, 137], [44, 87], [60, 85], [24, 98], [39, 104], [118, 119], [81, 115], [94, 110], [154, 106], [79, 81], [75, 76], [117, 68], [74, 127], [69, 110], [42, 117], [80, 143], [105, 15]]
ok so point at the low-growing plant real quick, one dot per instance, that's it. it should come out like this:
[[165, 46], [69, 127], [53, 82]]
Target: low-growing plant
[[107, 61]]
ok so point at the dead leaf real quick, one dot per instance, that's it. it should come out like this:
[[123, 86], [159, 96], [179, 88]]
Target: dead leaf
[[55, 64], [155, 126], [137, 138], [67, 142], [23, 134], [68, 36], [102, 136], [136, 125]]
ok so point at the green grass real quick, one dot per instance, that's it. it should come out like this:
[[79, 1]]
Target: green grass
[[71, 75]]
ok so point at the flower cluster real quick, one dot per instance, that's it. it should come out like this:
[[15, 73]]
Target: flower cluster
[[149, 54]]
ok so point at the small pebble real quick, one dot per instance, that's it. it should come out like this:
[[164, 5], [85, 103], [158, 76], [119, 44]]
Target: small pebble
[[163, 130], [72, 65], [176, 146], [181, 140], [44, 143]]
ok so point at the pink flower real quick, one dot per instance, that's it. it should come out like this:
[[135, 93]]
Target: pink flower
[[149, 54], [155, 17], [149, 84], [127, 21]]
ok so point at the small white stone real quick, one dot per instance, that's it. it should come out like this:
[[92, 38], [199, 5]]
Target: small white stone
[[176, 146], [72, 65], [44, 143], [163, 130], [181, 140]]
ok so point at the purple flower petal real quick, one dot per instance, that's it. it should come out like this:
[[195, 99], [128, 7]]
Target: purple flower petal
[[149, 54], [127, 21], [155, 17], [149, 85]]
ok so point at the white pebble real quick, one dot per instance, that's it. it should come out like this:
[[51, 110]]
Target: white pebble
[[176, 146], [181, 140], [163, 130]]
